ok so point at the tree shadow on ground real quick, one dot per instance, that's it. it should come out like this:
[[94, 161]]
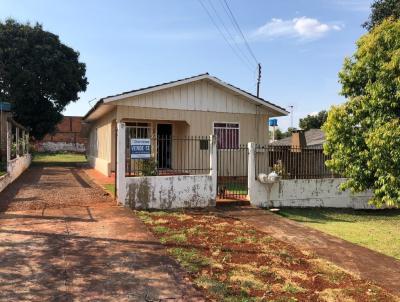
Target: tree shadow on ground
[[42, 267]]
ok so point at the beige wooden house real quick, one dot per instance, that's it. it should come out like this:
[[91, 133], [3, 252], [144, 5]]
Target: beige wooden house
[[197, 106]]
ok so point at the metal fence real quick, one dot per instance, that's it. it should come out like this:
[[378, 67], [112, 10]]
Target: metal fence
[[293, 163], [170, 156], [232, 173]]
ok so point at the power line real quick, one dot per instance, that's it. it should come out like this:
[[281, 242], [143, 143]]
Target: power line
[[223, 35], [236, 25], [229, 33]]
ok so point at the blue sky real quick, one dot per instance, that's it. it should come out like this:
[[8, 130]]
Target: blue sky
[[126, 44]]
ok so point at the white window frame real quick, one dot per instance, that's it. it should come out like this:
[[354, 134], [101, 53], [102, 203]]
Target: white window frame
[[148, 127], [226, 128]]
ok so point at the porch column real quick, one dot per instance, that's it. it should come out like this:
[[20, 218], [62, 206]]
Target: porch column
[[251, 170], [120, 157], [213, 164]]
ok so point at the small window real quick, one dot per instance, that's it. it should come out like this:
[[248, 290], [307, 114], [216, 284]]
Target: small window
[[138, 130], [227, 135]]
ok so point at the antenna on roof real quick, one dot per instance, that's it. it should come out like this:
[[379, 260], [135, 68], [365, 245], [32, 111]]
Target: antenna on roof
[[89, 102]]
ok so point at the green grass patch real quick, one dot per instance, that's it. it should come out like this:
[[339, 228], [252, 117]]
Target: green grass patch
[[236, 188], [190, 259], [161, 229], [291, 288], [110, 188], [177, 238], [59, 158], [378, 230], [3, 173]]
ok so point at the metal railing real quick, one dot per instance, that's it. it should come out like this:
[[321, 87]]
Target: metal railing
[[171, 156], [232, 171], [293, 163]]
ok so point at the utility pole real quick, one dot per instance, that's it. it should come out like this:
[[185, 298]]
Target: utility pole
[[258, 80], [291, 116]]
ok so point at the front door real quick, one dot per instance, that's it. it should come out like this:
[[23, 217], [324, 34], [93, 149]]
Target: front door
[[164, 145]]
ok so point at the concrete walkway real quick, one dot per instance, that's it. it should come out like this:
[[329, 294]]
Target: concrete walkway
[[364, 262], [92, 252]]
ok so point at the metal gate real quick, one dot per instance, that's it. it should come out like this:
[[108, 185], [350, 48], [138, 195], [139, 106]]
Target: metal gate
[[232, 181]]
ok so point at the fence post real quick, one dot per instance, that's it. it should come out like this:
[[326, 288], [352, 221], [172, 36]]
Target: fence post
[[251, 169], [120, 156], [213, 165], [9, 129]]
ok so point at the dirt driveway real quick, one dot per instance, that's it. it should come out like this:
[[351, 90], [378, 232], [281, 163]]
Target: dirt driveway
[[62, 239]]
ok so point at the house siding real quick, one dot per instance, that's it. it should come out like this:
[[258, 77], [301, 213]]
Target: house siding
[[198, 96], [100, 143], [200, 123]]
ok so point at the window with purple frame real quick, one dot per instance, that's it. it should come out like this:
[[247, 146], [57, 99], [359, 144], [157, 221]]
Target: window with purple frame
[[227, 135]]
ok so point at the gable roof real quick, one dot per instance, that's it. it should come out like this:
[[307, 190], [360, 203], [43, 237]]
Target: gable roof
[[314, 137], [108, 99]]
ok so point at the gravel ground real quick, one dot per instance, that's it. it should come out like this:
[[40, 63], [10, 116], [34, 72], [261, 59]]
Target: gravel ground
[[43, 187]]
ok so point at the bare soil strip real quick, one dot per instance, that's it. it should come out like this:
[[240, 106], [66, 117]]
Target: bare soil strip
[[232, 261]]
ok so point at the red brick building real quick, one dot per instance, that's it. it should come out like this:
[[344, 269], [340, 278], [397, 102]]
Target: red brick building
[[67, 137]]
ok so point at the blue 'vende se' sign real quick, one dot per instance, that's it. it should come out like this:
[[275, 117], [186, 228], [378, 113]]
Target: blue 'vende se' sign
[[140, 148]]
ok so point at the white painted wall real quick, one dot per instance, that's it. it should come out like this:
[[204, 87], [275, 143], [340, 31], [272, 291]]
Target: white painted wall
[[302, 192], [169, 192], [165, 192], [305, 193], [61, 146], [15, 168]]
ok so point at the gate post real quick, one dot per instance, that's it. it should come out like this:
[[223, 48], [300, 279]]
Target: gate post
[[120, 156], [213, 165], [251, 172]]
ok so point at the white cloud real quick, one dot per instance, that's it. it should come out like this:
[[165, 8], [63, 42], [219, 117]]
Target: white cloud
[[300, 28]]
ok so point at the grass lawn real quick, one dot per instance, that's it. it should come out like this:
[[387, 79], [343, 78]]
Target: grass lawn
[[377, 230], [58, 158], [2, 173], [231, 261], [110, 188]]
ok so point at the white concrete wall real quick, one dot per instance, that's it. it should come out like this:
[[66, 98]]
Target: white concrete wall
[[169, 192], [165, 192], [61, 146], [15, 168], [308, 193], [302, 192]]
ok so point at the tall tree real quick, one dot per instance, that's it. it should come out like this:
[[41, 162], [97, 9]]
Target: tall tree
[[313, 121], [38, 74], [380, 10], [363, 134]]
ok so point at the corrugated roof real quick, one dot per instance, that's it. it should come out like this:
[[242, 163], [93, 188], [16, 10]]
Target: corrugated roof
[[314, 137], [101, 101]]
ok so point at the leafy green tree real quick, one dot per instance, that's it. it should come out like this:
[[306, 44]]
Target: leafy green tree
[[313, 121], [382, 9], [38, 74], [362, 135], [278, 133]]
